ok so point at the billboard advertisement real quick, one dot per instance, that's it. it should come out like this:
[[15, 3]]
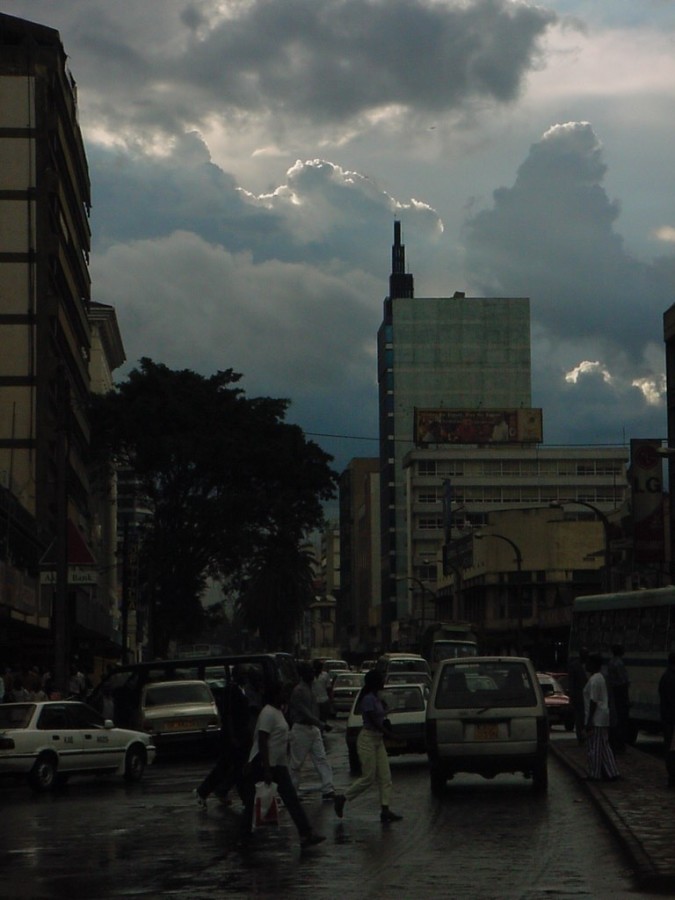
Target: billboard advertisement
[[477, 426]]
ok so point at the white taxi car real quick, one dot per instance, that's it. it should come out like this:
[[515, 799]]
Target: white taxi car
[[49, 741]]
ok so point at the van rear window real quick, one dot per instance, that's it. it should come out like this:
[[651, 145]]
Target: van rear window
[[498, 684]]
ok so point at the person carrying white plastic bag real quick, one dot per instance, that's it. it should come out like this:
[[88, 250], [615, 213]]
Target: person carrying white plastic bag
[[268, 762], [266, 808]]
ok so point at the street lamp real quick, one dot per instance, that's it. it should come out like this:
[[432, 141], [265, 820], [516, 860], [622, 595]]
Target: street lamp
[[606, 571], [479, 536], [457, 611], [423, 589]]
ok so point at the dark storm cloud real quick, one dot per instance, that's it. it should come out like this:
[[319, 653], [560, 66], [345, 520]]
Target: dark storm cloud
[[552, 236], [318, 61], [333, 59]]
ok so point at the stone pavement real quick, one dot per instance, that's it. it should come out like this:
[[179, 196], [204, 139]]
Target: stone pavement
[[638, 808]]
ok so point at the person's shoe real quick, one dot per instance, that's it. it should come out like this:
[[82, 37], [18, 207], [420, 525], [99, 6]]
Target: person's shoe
[[339, 803], [311, 840], [329, 795], [201, 801], [389, 816]]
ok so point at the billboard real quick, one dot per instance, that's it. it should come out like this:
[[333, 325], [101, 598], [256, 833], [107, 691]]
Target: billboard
[[477, 426]]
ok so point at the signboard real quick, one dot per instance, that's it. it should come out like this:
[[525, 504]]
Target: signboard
[[83, 575], [646, 478], [477, 426]]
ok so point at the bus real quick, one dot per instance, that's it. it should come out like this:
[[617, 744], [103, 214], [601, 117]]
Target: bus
[[644, 623]]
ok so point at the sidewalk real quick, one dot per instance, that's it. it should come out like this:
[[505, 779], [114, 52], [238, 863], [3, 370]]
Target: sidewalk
[[638, 808]]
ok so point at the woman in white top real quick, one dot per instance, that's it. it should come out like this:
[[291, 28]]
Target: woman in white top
[[268, 762]]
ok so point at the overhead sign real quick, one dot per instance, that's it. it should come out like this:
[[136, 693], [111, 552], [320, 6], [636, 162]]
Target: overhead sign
[[477, 426], [76, 575]]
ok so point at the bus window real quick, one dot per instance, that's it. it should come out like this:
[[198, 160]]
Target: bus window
[[659, 641]]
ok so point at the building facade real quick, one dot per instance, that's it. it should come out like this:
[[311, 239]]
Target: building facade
[[46, 339], [453, 352]]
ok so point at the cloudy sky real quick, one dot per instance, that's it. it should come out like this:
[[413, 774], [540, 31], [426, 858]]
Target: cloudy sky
[[248, 159]]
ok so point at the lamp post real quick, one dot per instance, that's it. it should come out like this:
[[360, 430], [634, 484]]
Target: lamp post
[[423, 589], [606, 570], [457, 611], [519, 585]]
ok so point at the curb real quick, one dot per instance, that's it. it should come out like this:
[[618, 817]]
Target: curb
[[647, 874]]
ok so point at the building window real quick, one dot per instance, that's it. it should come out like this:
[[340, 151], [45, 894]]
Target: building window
[[427, 497], [426, 573], [427, 467], [430, 523]]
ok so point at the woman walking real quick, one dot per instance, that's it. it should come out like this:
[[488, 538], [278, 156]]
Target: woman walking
[[372, 752], [268, 762]]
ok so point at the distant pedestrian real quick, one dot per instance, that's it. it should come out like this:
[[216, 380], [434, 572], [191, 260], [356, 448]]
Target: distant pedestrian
[[372, 751], [619, 689], [235, 736], [601, 762], [306, 733], [268, 762], [577, 678], [667, 708], [321, 686]]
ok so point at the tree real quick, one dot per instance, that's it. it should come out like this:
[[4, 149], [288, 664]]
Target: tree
[[223, 475], [279, 589]]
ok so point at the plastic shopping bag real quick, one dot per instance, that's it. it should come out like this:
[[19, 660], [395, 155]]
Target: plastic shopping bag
[[266, 807]]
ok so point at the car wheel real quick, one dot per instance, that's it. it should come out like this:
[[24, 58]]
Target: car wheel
[[134, 764], [43, 774], [631, 733], [540, 776], [437, 783], [569, 725]]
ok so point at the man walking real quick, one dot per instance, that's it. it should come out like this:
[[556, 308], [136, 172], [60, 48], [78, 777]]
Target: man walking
[[601, 762], [667, 707], [618, 684], [306, 733]]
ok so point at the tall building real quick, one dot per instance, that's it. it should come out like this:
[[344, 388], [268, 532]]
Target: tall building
[[359, 608], [454, 352], [45, 331]]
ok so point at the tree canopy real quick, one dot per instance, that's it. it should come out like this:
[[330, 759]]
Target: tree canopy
[[226, 479]]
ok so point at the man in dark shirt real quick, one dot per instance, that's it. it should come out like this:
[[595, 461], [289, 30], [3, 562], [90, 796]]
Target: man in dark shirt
[[667, 708]]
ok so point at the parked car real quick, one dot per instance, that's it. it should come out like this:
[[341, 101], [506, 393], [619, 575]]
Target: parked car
[[179, 713], [389, 663], [48, 741], [408, 678], [405, 705], [486, 715], [345, 688], [126, 683], [558, 704]]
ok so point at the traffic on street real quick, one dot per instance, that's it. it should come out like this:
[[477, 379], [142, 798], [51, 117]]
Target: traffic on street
[[483, 839]]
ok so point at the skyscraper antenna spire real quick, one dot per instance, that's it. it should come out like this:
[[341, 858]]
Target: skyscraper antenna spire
[[400, 283]]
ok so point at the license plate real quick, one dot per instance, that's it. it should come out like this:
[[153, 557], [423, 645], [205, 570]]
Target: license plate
[[181, 725], [487, 731]]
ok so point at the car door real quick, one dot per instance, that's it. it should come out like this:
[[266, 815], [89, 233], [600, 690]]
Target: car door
[[59, 734], [99, 752]]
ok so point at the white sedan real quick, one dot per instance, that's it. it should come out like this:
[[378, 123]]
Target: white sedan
[[48, 741]]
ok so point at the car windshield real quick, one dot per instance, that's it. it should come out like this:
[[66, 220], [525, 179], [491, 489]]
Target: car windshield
[[16, 715], [494, 683], [348, 681], [550, 686], [408, 665], [408, 678], [176, 694]]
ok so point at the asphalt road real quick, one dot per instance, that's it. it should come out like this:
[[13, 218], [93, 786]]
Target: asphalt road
[[99, 838]]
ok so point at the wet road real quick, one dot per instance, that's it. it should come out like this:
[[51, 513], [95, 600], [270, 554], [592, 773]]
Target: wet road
[[483, 840]]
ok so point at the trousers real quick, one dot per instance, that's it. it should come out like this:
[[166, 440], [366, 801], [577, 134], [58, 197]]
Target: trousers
[[374, 766], [306, 740], [600, 756]]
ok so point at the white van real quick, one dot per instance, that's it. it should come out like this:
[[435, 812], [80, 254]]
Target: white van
[[486, 715]]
